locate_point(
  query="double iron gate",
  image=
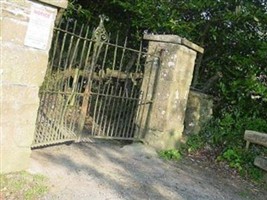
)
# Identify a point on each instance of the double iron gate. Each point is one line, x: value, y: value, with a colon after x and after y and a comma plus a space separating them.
x: 92, y: 87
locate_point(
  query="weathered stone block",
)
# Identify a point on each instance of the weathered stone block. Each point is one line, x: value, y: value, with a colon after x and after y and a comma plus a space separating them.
x: 58, y: 3
x: 22, y: 65
x: 261, y: 162
x: 21, y: 135
x: 16, y: 18
x: 11, y: 28
x: 17, y: 10
x: 198, y: 112
x: 19, y: 93
x: 175, y: 39
x: 18, y: 111
x: 163, y: 140
x: 14, y: 158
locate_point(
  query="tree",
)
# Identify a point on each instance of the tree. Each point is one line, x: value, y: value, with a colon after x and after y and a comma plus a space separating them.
x: 232, y: 32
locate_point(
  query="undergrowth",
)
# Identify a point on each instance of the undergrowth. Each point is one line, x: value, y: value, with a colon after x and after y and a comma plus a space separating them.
x: 226, y: 134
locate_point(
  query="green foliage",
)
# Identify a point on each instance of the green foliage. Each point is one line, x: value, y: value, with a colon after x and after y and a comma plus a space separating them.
x: 232, y: 32
x: 172, y: 154
x: 233, y: 157
x: 254, y: 173
x: 193, y: 143
x: 229, y: 129
x: 227, y: 133
x: 242, y: 160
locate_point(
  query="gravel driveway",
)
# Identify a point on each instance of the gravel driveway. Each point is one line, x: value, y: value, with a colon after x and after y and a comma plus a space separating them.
x: 111, y: 171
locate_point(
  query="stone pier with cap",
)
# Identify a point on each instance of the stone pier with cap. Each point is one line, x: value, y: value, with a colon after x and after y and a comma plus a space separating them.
x: 164, y: 124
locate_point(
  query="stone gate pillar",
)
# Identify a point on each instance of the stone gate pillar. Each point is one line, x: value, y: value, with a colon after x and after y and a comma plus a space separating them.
x: 165, y: 116
x: 26, y: 33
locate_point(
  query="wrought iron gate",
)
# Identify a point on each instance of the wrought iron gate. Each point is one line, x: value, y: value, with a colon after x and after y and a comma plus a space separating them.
x: 92, y: 87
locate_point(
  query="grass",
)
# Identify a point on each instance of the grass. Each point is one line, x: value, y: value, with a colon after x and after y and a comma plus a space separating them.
x: 22, y: 185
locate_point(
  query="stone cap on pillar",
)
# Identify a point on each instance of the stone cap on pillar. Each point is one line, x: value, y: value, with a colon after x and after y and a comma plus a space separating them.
x: 175, y: 39
x: 57, y: 3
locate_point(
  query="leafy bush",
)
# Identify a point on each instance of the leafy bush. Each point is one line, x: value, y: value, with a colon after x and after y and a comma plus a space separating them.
x: 227, y: 133
x: 171, y: 154
x: 228, y: 130
x: 193, y: 143
x: 242, y: 160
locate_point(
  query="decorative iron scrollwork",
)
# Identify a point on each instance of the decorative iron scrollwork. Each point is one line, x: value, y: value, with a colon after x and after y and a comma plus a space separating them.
x: 100, y: 34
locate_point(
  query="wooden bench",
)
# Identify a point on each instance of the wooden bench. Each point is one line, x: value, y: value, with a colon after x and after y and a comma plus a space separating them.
x: 257, y: 138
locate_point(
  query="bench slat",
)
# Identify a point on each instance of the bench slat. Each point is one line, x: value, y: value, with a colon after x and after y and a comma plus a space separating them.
x: 255, y: 137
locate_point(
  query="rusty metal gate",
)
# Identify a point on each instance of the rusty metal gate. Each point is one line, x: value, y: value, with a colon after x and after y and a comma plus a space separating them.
x: 92, y: 87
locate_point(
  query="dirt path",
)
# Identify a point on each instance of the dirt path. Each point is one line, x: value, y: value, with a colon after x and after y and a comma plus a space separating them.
x: 106, y: 171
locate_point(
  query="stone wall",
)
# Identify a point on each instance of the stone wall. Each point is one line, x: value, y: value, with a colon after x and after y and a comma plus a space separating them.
x: 169, y: 92
x: 22, y: 71
x: 198, y: 112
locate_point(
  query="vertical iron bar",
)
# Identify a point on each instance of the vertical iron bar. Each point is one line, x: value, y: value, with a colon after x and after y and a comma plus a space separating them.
x: 63, y: 43
x: 75, y: 48
x: 68, y: 100
x: 87, y: 60
x: 67, y: 56
x: 74, y: 55
x: 86, y: 94
x: 139, y: 58
x: 116, y: 125
x: 46, y: 115
x: 103, y: 115
x: 57, y: 86
x: 140, y: 111
x: 100, y: 82
x: 115, y: 52
x: 74, y: 113
x: 108, y: 118
x: 51, y: 60
x: 133, y: 113
x: 121, y: 61
x: 60, y: 104
x: 128, y: 115
x: 83, y: 61
x: 115, y: 111
x: 51, y: 113
x: 99, y: 113
x: 88, y: 87
x: 89, y: 113
x: 120, y: 109
x: 95, y: 108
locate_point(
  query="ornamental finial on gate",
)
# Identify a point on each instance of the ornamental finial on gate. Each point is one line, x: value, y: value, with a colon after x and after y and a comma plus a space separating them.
x: 100, y: 34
